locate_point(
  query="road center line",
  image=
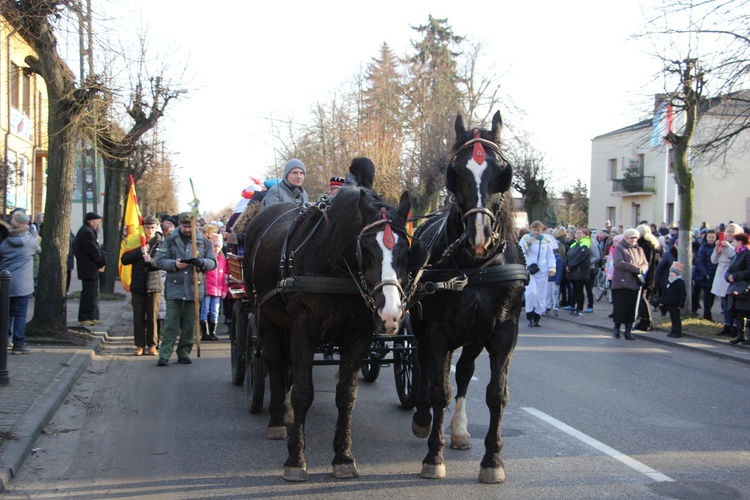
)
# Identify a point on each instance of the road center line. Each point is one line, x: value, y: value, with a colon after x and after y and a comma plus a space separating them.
x: 630, y: 462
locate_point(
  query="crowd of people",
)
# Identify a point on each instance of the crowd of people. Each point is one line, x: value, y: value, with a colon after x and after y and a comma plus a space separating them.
x: 643, y: 272
x: 167, y: 326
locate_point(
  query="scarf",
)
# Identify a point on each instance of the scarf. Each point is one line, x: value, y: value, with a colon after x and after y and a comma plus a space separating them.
x: 295, y: 190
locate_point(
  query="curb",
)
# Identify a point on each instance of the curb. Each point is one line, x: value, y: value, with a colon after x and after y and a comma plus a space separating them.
x: 14, y: 452
x: 677, y: 343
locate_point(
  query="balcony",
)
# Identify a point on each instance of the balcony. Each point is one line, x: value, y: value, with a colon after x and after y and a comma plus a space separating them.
x: 634, y: 185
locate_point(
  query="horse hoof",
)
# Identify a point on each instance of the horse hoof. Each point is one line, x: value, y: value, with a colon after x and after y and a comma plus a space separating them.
x: 492, y: 476
x: 345, y: 471
x: 276, y: 432
x: 295, y: 474
x: 430, y: 471
x: 460, y: 441
x: 419, y: 431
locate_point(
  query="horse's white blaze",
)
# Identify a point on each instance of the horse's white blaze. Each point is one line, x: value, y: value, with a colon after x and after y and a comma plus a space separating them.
x: 391, y: 311
x: 478, y: 169
x: 459, y: 422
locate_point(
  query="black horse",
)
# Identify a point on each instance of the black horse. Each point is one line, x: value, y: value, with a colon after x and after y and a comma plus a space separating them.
x: 475, y: 282
x: 309, y: 271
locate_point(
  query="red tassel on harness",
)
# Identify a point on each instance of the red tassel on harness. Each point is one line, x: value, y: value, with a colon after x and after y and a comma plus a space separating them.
x: 389, y: 241
x: 479, y: 153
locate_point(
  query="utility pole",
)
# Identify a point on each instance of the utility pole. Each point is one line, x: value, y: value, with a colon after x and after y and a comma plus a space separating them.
x: 88, y: 155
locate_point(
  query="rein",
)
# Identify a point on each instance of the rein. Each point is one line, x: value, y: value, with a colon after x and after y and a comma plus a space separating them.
x: 324, y: 284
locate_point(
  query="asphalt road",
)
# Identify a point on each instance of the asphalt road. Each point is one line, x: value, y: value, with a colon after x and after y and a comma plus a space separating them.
x: 589, y: 417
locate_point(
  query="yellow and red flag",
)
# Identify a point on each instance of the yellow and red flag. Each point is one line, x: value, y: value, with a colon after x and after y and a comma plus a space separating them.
x: 132, y: 234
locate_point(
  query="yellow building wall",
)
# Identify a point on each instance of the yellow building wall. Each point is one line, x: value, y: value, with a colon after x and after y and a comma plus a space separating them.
x: 23, y: 148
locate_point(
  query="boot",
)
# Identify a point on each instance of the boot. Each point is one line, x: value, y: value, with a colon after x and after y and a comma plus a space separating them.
x: 616, y: 331
x: 530, y: 317
x: 726, y: 332
x: 537, y: 317
x: 204, y: 330
x: 740, y: 336
x: 628, y: 336
x: 212, y: 331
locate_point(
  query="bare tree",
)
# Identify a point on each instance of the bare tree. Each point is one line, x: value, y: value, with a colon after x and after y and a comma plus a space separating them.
x: 145, y: 109
x: 530, y: 178
x: 36, y: 21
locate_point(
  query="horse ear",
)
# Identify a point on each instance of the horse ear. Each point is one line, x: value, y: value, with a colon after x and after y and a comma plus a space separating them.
x: 404, y: 205
x: 459, y: 127
x: 497, y: 126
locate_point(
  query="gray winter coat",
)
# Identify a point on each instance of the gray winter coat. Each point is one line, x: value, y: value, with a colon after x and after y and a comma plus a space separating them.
x: 282, y: 192
x: 17, y: 256
x: 179, y: 284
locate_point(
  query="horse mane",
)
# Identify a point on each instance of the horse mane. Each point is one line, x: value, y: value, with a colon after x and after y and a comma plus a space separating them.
x: 342, y: 225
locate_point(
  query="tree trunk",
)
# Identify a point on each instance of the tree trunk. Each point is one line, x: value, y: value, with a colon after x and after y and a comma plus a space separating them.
x: 52, y: 318
x: 114, y: 179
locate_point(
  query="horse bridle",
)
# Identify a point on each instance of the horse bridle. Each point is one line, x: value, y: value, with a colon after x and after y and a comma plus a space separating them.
x: 389, y: 241
x: 477, y: 143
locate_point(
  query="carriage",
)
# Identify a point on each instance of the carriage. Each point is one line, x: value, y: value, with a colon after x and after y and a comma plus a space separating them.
x: 469, y: 247
x: 248, y: 368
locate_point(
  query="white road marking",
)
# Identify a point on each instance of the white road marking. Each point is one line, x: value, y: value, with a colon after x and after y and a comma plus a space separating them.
x: 598, y: 445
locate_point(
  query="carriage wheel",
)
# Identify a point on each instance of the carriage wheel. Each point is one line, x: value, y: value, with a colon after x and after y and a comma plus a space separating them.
x: 370, y: 369
x: 255, y: 376
x: 238, y: 341
x: 406, y: 369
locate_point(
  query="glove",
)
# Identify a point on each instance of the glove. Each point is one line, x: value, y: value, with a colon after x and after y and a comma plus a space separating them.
x: 198, y: 262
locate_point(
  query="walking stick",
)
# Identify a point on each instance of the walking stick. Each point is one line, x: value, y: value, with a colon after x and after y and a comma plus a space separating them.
x: 196, y: 295
x: 637, y: 304
x: 194, y: 205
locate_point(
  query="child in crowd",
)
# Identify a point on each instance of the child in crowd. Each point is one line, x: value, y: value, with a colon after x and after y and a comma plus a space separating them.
x: 553, y: 302
x: 673, y: 297
x: 216, y: 289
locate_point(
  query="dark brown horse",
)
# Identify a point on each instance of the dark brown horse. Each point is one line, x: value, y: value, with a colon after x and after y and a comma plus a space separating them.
x: 323, y: 275
x: 475, y: 280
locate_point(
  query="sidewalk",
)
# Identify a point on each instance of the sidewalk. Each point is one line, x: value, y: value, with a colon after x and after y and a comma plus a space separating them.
x: 40, y: 381
x: 600, y: 320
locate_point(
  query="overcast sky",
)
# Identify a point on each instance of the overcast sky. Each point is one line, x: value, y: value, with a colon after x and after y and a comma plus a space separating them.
x: 570, y: 66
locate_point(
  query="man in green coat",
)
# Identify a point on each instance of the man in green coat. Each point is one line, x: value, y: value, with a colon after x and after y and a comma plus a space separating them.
x: 175, y: 257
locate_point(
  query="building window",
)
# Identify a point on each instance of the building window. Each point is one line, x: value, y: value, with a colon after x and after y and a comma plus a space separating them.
x: 670, y: 213
x: 609, y: 214
x: 612, y: 169
x: 27, y: 94
x: 636, y: 214
x: 641, y: 163
x: 15, y: 86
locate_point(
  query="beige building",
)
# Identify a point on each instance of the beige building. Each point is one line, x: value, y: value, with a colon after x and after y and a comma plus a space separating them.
x: 631, y: 177
x: 23, y: 124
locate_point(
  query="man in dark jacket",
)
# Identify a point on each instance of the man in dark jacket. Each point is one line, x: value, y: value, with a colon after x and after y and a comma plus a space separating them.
x: 90, y: 260
x: 145, y: 289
